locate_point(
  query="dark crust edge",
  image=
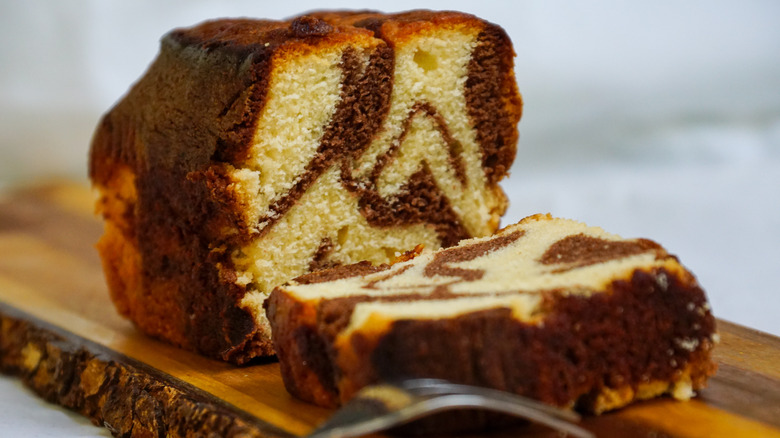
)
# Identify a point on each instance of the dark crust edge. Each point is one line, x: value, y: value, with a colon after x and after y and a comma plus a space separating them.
x: 121, y: 394
x: 642, y: 315
x: 621, y: 335
x: 184, y: 198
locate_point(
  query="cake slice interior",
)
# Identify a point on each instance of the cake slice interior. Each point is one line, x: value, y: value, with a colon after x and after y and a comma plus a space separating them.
x: 354, y: 178
x: 547, y: 308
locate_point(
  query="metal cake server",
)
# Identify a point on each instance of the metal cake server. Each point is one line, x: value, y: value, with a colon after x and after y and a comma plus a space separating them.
x: 383, y: 406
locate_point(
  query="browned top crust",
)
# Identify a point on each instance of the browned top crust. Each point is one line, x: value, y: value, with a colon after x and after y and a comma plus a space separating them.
x: 246, y: 35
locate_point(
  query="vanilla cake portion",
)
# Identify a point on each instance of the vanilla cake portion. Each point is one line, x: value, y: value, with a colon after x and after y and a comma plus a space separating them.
x: 255, y: 151
x: 547, y: 308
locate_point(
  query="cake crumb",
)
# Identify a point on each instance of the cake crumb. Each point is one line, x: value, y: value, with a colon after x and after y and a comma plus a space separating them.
x: 683, y: 390
x: 688, y: 344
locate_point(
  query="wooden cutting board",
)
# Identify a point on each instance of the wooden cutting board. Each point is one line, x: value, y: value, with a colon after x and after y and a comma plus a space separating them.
x: 59, y: 333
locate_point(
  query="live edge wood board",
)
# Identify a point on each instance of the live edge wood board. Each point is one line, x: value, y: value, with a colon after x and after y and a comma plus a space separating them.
x: 60, y: 335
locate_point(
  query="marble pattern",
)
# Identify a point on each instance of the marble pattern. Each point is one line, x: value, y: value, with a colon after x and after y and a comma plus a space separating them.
x: 659, y: 120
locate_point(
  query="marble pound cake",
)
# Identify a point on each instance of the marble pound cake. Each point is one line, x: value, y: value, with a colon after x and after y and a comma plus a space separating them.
x: 254, y: 151
x: 547, y: 308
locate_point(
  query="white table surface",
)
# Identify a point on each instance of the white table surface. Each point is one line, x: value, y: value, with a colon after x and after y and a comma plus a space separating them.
x: 657, y: 120
x: 24, y: 414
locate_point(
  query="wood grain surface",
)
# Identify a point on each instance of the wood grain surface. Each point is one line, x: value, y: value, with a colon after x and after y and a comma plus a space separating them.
x: 60, y: 334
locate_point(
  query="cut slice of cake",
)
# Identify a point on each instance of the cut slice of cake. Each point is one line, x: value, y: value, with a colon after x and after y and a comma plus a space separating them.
x: 547, y: 308
x: 252, y: 152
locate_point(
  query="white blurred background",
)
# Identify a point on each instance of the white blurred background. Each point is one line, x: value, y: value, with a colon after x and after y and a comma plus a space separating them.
x: 655, y: 119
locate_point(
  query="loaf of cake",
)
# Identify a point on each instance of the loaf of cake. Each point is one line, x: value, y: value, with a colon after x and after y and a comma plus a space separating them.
x: 252, y: 152
x: 547, y: 308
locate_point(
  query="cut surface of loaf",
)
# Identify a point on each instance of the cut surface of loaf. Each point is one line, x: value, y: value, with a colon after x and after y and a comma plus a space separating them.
x: 254, y: 151
x: 547, y: 308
